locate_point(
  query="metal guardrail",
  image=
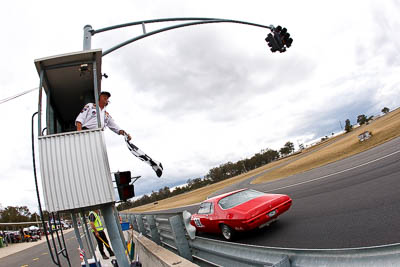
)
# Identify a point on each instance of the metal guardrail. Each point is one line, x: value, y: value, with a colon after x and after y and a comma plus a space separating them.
x: 155, y: 227
x: 169, y: 231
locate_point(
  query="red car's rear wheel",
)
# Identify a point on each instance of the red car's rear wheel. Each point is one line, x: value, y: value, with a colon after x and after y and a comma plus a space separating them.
x: 227, y: 232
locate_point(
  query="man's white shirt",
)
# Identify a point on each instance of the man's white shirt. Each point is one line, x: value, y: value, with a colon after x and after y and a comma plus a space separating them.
x: 88, y: 118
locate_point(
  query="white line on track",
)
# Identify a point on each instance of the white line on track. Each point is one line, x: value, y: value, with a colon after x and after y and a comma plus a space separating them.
x: 332, y: 174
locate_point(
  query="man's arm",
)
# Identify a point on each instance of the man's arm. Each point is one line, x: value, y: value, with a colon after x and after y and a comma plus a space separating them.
x: 115, y: 128
x: 78, y: 126
x: 92, y: 218
x: 122, y: 132
x: 94, y: 229
x: 80, y: 119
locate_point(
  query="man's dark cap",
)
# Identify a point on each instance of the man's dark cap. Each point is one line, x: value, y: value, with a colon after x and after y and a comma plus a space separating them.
x: 105, y: 93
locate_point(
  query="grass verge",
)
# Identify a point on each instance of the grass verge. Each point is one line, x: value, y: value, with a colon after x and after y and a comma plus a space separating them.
x: 383, y: 129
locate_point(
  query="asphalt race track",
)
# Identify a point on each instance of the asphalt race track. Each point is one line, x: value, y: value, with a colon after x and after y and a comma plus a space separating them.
x: 351, y: 203
x: 38, y: 256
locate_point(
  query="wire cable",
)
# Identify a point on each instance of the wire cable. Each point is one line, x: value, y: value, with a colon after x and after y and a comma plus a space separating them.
x: 38, y: 196
x: 17, y: 95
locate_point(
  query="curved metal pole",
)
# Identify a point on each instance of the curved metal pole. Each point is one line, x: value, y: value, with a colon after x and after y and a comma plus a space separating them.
x: 93, y: 32
x: 180, y: 26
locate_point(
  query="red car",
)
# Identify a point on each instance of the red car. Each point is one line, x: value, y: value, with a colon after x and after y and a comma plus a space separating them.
x: 240, y: 210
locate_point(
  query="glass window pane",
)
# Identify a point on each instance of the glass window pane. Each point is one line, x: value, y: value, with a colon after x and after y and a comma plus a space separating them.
x: 238, y: 198
x: 205, y: 208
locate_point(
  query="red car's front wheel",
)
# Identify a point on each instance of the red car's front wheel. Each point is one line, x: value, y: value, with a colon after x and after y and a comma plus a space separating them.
x: 227, y: 232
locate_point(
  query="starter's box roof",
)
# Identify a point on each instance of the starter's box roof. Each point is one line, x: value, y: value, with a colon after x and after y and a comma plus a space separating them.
x: 69, y: 82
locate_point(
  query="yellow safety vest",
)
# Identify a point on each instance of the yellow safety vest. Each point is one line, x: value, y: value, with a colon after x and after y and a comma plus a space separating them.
x: 97, y: 222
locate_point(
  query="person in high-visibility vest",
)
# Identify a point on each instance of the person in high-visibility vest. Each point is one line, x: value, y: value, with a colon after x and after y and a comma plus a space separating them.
x: 98, y: 231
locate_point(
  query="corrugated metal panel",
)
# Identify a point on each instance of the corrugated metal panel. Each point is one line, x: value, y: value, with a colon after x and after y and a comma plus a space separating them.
x: 75, y: 170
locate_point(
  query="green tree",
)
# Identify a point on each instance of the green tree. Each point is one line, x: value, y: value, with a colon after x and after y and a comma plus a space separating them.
x: 164, y: 193
x: 284, y: 151
x: 385, y: 110
x: 46, y: 215
x: 287, y: 148
x: 348, y: 127
x: 34, y: 216
x: 15, y: 214
x: 361, y: 119
x: 290, y: 146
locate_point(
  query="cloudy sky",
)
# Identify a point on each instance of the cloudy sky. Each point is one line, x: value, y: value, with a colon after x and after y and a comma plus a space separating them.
x: 200, y: 96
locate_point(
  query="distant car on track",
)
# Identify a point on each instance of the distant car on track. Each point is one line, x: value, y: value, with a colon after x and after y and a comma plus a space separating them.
x: 240, y: 210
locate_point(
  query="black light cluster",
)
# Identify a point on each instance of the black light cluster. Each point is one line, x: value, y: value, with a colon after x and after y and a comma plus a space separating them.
x: 126, y: 190
x: 279, y: 39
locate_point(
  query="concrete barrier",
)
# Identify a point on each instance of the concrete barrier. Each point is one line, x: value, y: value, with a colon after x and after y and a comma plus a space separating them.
x: 151, y: 254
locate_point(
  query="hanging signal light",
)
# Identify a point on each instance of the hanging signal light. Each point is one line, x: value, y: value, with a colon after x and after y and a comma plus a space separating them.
x: 126, y: 190
x: 285, y: 37
x: 272, y: 43
x: 280, y: 40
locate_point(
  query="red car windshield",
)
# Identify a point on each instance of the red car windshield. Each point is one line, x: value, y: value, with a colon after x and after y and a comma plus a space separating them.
x: 239, y: 198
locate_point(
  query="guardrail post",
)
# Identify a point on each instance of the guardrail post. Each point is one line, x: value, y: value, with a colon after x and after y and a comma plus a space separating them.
x: 133, y: 221
x: 180, y: 238
x: 155, y: 236
x: 140, y: 223
x: 285, y: 262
